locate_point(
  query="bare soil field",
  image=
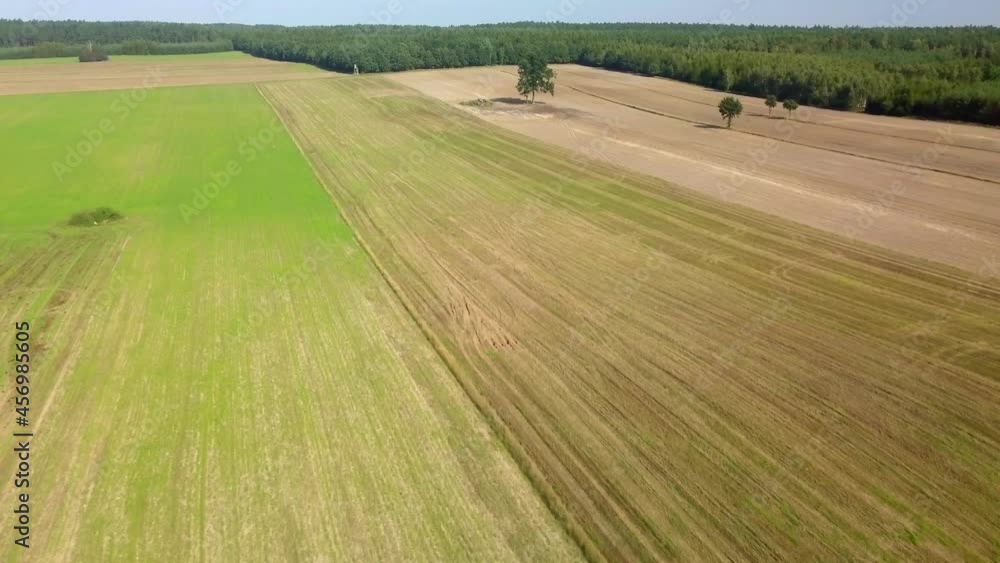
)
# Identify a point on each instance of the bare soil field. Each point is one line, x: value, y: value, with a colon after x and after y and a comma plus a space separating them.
x: 924, y: 188
x: 682, y: 378
x: 695, y: 102
x: 146, y: 72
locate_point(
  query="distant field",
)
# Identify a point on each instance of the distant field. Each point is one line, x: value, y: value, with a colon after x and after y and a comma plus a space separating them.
x: 858, y: 134
x: 224, y: 55
x: 930, y: 189
x: 33, y: 76
x: 43, y: 61
x: 236, y: 384
x: 687, y: 378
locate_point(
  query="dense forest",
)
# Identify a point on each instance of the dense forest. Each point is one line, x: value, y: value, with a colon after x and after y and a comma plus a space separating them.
x: 129, y: 47
x: 942, y: 73
x: 23, y: 40
x: 945, y: 73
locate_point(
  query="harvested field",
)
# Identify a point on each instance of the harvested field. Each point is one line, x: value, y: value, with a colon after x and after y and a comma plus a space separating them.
x: 870, y: 136
x: 222, y: 375
x: 57, y: 75
x: 923, y: 188
x: 684, y: 378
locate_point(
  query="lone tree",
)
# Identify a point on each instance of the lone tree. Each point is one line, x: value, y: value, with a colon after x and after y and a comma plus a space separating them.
x: 790, y: 105
x: 771, y: 102
x: 533, y: 76
x: 730, y: 107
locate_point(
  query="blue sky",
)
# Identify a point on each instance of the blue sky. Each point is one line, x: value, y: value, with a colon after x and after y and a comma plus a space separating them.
x: 451, y: 12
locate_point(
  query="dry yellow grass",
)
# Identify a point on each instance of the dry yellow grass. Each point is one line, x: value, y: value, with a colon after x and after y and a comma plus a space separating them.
x: 684, y: 379
x: 147, y: 72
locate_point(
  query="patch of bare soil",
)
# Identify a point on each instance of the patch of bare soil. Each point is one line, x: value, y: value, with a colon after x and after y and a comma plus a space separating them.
x: 518, y: 108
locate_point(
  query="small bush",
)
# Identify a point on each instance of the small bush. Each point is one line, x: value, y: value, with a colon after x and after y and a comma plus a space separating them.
x: 91, y: 54
x: 96, y: 217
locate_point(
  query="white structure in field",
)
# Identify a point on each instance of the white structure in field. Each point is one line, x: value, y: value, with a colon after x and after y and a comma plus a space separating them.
x: 356, y: 69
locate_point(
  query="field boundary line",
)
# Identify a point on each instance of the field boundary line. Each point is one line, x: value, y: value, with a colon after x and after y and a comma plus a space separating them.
x: 521, y: 459
x: 838, y: 151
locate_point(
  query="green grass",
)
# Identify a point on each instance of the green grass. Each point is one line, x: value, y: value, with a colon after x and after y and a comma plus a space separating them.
x: 235, y: 385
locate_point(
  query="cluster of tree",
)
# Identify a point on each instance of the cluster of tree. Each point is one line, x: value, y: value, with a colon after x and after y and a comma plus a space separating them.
x: 92, y: 54
x: 17, y: 33
x: 949, y: 73
x: 146, y: 47
x: 131, y: 47
x: 731, y: 107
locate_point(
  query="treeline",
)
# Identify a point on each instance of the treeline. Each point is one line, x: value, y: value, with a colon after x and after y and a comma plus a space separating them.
x: 961, y: 89
x: 944, y: 73
x: 130, y: 47
x: 41, y: 39
x: 144, y: 47
x: 17, y: 33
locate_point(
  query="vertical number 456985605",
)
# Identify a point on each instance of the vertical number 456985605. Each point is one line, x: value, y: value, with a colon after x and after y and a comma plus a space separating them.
x: 22, y: 367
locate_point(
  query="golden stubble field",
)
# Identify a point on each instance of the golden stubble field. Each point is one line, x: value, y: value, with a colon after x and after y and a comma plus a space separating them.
x: 123, y: 72
x: 929, y: 189
x: 682, y: 378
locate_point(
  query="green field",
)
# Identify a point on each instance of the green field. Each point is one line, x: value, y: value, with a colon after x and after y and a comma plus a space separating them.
x: 232, y: 384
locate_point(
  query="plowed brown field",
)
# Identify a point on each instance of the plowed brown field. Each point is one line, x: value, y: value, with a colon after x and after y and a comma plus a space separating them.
x: 923, y: 188
x: 682, y: 378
